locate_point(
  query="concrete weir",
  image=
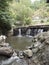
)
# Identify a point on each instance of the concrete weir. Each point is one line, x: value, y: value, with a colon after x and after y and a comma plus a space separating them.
x: 30, y: 30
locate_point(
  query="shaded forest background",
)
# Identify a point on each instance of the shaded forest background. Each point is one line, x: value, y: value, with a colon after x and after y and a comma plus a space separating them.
x: 15, y: 13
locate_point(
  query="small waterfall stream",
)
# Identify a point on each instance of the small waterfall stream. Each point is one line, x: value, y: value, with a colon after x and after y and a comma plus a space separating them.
x: 19, y: 33
x: 40, y: 30
x: 28, y: 33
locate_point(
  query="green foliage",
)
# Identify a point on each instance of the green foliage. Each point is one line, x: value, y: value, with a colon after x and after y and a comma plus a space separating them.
x: 5, y: 26
x: 21, y: 10
x: 48, y: 20
x: 28, y: 21
x: 24, y: 14
x: 4, y: 16
x: 26, y: 2
x: 42, y: 21
x: 38, y: 4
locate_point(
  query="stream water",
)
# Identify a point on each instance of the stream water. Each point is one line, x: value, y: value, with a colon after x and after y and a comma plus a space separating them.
x: 20, y: 43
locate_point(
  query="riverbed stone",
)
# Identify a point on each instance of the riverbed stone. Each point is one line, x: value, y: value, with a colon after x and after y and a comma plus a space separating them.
x: 37, y: 44
x: 6, y: 51
x: 4, y: 44
x: 41, y: 46
x: 35, y: 50
x: 21, y: 54
x: 28, y: 53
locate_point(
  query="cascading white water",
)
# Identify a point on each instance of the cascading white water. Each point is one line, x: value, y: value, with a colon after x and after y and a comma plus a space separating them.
x: 13, y: 58
x: 28, y: 33
x: 19, y: 33
x: 40, y: 30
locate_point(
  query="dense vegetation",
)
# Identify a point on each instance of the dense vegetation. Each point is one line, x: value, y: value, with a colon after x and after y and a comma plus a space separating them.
x: 4, y: 16
x: 21, y: 12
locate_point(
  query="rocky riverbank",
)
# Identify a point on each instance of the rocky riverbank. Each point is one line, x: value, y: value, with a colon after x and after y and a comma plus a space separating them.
x: 39, y: 48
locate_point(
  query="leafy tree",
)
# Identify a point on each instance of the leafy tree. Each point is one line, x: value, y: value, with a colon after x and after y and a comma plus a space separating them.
x: 4, y: 15
x: 28, y: 21
x: 21, y: 11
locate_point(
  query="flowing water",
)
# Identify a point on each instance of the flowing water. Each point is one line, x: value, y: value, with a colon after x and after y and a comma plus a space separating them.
x: 19, y: 33
x: 19, y: 43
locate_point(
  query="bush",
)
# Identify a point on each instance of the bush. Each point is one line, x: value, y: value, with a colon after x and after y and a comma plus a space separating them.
x: 42, y: 21
x: 5, y: 26
x: 28, y: 21
x: 48, y: 20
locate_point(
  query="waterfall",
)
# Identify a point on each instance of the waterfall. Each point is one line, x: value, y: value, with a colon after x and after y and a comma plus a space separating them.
x: 28, y: 33
x: 35, y: 32
x: 40, y: 30
x: 19, y: 33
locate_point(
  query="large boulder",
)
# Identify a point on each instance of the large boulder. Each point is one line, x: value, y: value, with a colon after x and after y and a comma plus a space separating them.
x: 28, y: 53
x: 6, y: 51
